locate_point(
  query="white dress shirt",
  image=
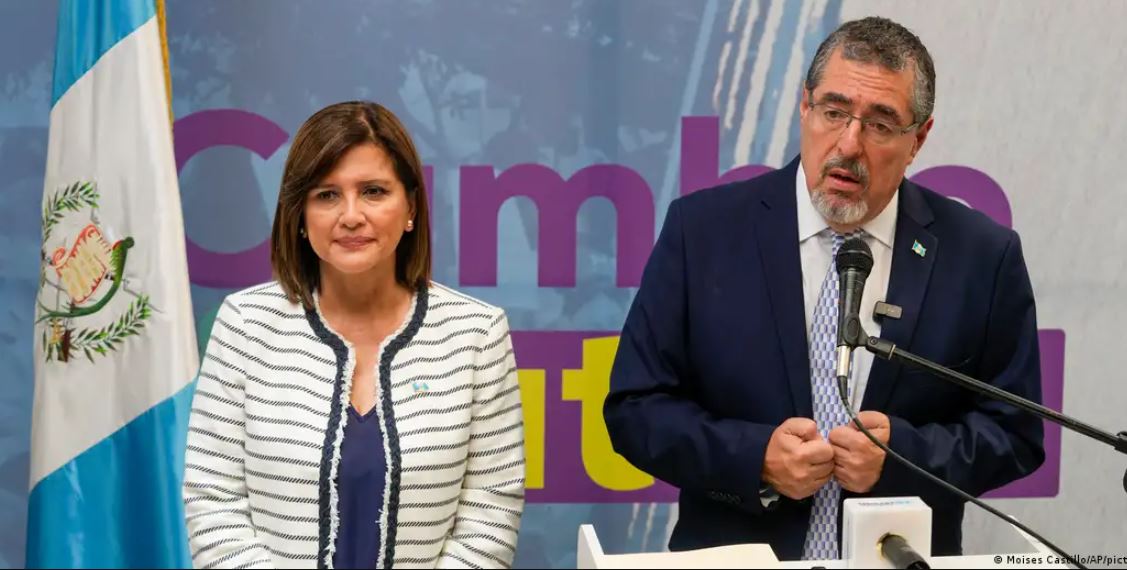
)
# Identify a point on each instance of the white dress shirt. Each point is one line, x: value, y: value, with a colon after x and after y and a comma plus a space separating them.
x: 815, y: 240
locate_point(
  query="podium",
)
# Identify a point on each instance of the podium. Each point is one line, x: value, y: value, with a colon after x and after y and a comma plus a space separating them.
x: 590, y: 555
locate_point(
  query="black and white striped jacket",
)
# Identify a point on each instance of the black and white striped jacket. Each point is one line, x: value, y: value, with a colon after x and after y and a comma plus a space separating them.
x: 267, y: 422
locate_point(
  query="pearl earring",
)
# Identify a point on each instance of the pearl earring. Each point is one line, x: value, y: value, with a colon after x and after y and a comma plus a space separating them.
x: 303, y: 234
x: 410, y: 225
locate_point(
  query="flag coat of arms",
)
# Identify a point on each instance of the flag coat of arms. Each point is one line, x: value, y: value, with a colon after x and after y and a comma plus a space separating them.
x: 114, y: 339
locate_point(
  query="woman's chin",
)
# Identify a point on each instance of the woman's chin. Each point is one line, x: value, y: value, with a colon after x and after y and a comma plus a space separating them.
x: 353, y: 266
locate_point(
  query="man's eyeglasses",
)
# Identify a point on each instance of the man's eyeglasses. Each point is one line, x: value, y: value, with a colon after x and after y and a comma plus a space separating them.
x: 878, y: 131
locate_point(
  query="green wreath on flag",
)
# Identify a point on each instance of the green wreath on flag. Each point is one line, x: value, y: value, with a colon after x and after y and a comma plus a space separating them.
x: 81, y: 269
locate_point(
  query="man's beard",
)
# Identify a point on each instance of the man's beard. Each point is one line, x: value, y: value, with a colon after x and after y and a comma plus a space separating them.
x: 837, y: 212
x: 842, y: 214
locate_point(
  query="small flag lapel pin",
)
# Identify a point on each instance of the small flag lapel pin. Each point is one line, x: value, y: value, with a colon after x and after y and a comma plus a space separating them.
x: 919, y: 248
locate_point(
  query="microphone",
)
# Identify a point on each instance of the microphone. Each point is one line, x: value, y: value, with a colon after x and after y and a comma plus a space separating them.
x: 900, y: 554
x: 854, y: 262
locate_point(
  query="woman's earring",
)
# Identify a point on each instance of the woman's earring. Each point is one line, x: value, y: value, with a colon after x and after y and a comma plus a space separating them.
x: 410, y: 225
x: 303, y: 234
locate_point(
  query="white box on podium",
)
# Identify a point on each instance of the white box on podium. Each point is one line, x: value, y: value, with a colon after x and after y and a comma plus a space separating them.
x: 866, y: 521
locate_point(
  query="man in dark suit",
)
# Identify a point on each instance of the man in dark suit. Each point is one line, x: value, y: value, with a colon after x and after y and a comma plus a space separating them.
x: 723, y: 382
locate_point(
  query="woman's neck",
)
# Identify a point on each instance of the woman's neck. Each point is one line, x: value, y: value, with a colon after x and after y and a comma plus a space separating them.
x: 361, y: 296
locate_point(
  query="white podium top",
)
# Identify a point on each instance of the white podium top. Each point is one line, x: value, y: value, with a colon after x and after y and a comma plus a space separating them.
x: 590, y: 555
x: 1022, y: 560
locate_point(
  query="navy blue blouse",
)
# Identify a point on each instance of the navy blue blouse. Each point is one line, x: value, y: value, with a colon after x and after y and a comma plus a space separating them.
x: 360, y: 483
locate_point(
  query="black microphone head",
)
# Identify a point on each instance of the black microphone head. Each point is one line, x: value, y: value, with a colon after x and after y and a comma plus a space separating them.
x: 854, y: 254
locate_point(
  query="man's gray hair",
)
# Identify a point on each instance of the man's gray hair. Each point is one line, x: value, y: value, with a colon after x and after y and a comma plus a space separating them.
x: 885, y: 43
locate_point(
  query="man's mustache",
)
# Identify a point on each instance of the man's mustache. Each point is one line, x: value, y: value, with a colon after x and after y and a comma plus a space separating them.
x: 855, y: 168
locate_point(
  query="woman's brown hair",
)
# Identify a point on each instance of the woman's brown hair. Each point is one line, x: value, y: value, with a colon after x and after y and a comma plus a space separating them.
x: 317, y: 147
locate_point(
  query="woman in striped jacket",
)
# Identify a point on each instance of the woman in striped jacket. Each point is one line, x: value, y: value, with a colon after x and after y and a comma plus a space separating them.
x: 353, y: 413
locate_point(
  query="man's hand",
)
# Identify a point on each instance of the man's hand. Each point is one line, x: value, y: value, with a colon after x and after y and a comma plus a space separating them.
x: 798, y: 461
x: 857, y: 462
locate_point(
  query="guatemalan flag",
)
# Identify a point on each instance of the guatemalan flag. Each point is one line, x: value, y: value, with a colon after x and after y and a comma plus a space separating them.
x: 114, y: 340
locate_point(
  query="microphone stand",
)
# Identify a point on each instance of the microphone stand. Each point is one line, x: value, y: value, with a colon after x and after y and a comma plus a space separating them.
x: 888, y: 351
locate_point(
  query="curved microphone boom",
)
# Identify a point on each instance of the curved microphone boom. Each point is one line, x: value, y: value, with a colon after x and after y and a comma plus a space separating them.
x: 854, y: 263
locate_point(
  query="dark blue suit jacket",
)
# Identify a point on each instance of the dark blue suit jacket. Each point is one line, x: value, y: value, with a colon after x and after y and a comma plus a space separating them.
x: 713, y: 357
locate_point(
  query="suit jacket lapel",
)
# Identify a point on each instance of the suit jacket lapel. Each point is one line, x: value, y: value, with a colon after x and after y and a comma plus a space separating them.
x: 915, y: 250
x: 777, y: 238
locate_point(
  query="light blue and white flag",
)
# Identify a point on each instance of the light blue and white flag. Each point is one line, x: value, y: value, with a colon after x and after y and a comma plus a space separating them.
x: 114, y: 340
